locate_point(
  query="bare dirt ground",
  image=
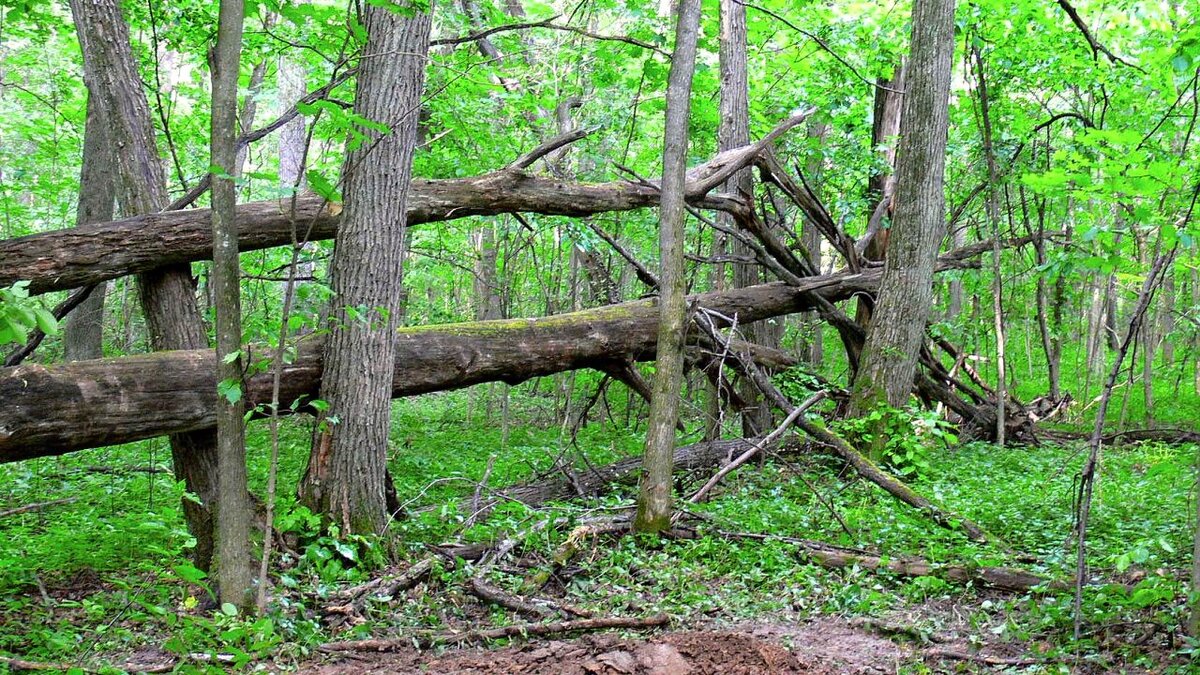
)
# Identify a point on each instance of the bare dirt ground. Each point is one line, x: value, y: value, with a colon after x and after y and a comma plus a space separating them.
x: 822, y: 647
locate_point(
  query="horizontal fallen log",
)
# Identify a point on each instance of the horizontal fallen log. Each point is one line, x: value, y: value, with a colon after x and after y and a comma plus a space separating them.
x: 1008, y: 579
x: 89, y: 254
x: 51, y: 410
x: 426, y: 640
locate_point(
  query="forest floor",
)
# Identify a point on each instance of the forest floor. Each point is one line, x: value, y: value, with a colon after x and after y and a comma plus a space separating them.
x: 101, y: 580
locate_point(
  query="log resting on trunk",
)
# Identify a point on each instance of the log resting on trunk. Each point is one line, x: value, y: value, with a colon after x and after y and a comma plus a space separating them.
x: 66, y: 259
x: 51, y: 410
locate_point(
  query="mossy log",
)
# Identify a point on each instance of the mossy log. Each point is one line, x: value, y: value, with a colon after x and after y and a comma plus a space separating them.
x: 51, y: 410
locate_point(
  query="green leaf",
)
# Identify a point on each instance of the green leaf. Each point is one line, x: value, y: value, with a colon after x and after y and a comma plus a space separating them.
x: 321, y: 185
x: 230, y: 390
x: 229, y: 609
x: 46, y: 321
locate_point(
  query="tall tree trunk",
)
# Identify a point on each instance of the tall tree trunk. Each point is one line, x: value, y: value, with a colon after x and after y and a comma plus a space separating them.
x: 881, y: 186
x: 734, y: 132
x: 234, y: 511
x: 83, y: 335
x: 168, y: 294
x: 889, y: 357
x: 810, y: 237
x: 654, y: 496
x: 346, y: 480
x: 993, y: 214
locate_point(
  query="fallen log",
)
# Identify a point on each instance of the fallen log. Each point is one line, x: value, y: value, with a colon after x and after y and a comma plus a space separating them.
x: 85, y: 255
x: 51, y: 410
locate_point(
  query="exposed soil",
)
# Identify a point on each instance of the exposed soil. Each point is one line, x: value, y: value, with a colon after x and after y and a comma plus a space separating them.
x: 825, y: 647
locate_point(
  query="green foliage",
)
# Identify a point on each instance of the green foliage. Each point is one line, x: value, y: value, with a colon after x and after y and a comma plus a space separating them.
x: 902, y: 439
x: 20, y: 314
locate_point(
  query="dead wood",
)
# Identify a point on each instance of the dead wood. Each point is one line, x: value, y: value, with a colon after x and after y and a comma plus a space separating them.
x: 51, y: 410
x: 81, y: 256
x: 497, y: 596
x: 37, y: 507
x: 1008, y: 579
x: 943, y: 653
x: 426, y: 640
x: 355, y: 599
x: 860, y: 463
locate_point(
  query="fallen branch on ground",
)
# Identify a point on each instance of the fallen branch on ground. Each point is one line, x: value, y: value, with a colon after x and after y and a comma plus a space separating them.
x: 836, y: 557
x: 942, y: 653
x: 37, y: 507
x: 426, y: 640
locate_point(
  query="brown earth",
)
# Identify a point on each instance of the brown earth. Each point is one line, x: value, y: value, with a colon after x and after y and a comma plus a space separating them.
x: 823, y: 647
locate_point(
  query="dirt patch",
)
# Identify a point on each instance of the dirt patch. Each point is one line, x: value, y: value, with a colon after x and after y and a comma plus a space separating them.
x: 819, y: 648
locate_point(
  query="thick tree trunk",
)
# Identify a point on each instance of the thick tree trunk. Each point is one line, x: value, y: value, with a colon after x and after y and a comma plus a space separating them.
x: 57, y: 409
x: 168, y: 296
x: 654, y: 494
x: 889, y: 358
x: 346, y: 477
x: 83, y: 335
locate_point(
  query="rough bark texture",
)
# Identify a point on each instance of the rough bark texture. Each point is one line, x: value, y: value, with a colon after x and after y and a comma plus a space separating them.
x: 66, y: 259
x: 234, y: 511
x: 167, y: 293
x: 654, y: 497
x: 346, y: 475
x: 51, y: 410
x: 83, y: 334
x: 889, y: 356
x: 734, y: 132
x: 881, y: 186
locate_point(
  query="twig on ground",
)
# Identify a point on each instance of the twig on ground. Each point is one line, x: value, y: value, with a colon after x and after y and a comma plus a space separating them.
x: 37, y: 507
x: 426, y: 640
x: 942, y: 653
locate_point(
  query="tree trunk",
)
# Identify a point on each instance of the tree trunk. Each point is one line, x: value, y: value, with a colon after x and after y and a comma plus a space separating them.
x: 889, y: 356
x: 346, y: 476
x: 654, y: 495
x: 993, y: 214
x: 234, y: 511
x: 168, y: 295
x: 83, y: 335
x: 734, y: 132
x: 881, y: 186
x: 810, y: 237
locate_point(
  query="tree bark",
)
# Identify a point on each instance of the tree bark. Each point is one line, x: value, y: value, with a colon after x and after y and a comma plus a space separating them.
x: 83, y: 335
x: 167, y: 292
x: 346, y: 476
x: 810, y: 237
x: 654, y: 495
x: 66, y: 259
x: 881, y: 186
x: 890, y: 353
x: 234, y: 511
x: 50, y: 410
x: 734, y: 132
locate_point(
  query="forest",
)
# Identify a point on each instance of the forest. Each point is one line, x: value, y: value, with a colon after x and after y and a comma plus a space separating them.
x: 599, y: 336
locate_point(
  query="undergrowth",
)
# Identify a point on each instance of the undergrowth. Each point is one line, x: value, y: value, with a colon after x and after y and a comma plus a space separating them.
x: 101, y: 576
